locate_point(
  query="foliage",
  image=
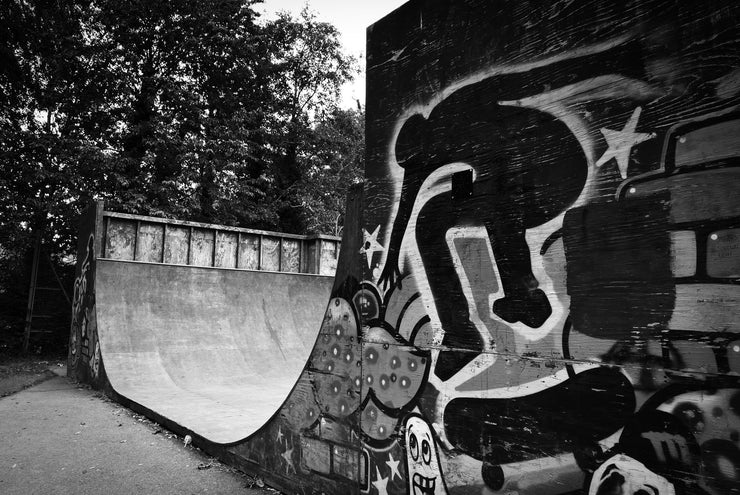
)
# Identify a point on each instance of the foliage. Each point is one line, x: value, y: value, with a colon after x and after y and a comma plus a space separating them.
x: 188, y: 109
x: 331, y: 160
x: 310, y: 69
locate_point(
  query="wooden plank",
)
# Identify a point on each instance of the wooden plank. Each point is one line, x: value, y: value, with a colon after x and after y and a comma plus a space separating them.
x: 249, y: 252
x: 176, y: 246
x: 270, y: 259
x: 136, y: 239
x: 150, y: 242
x: 190, y: 245
x: 329, y: 257
x: 120, y: 239
x: 226, y: 249
x: 290, y: 259
x: 202, y: 247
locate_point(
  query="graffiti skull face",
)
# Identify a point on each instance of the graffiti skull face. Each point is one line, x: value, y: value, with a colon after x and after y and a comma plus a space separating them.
x: 422, y: 462
x: 624, y: 475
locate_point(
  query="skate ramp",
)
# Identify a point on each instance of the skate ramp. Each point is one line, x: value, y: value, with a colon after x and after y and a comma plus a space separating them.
x: 215, y: 351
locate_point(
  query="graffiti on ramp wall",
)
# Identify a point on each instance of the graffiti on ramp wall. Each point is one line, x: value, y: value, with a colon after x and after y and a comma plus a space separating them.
x: 84, y: 356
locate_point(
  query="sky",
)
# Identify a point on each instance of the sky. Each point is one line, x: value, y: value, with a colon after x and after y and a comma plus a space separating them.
x: 351, y: 17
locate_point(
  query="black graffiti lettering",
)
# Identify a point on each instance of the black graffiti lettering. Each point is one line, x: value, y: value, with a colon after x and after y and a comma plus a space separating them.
x: 668, y: 446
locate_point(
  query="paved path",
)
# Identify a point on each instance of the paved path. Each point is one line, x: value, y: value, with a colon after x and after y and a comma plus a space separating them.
x: 57, y: 438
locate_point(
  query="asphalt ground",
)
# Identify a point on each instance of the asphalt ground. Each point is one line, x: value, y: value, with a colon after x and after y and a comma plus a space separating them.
x: 60, y: 437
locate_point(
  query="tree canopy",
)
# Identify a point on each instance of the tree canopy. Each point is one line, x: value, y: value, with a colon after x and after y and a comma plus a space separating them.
x: 183, y: 108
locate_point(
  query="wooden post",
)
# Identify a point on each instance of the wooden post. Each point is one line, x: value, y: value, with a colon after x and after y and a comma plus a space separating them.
x: 215, y: 241
x: 164, y: 240
x: 280, y: 254
x: 136, y: 238
x: 238, y: 247
x: 259, y: 252
x: 190, y: 246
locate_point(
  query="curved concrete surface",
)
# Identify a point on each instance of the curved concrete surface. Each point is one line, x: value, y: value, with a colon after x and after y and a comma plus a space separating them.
x: 216, y: 351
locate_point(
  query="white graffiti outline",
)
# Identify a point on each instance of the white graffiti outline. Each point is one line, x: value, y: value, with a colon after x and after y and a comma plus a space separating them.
x: 79, y: 314
x: 559, y: 103
x: 559, y: 111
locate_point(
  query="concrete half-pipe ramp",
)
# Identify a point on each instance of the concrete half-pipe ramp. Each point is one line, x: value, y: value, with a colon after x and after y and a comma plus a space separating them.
x: 216, y: 351
x: 213, y: 351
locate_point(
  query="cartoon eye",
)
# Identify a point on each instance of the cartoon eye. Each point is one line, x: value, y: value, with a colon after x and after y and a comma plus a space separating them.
x: 414, y: 447
x: 426, y: 452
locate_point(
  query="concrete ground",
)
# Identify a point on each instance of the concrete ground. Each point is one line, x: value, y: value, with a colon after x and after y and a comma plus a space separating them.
x: 59, y: 437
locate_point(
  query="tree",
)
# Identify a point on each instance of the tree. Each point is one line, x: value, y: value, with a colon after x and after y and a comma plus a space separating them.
x: 192, y: 81
x: 38, y: 80
x: 332, y: 159
x: 309, y: 69
x: 40, y: 74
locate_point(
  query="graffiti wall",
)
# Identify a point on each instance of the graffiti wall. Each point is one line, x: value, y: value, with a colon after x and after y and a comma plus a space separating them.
x: 84, y: 361
x: 546, y: 291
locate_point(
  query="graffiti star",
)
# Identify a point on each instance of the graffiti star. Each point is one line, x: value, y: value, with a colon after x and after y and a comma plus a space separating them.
x: 370, y: 245
x: 288, y: 456
x: 393, y: 464
x: 620, y: 143
x: 381, y: 484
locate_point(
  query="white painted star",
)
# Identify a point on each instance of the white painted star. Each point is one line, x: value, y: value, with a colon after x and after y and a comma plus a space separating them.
x: 393, y: 464
x: 288, y: 456
x: 397, y: 53
x: 381, y: 484
x: 620, y: 143
x: 279, y: 435
x: 370, y: 245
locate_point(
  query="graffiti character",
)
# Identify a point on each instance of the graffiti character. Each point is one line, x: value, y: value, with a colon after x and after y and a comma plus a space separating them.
x: 622, y: 474
x: 422, y: 461
x: 509, y: 197
x: 528, y: 167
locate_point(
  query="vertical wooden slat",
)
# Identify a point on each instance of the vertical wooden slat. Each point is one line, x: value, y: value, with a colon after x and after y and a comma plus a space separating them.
x: 164, y: 240
x: 301, y: 257
x: 259, y: 254
x: 238, y: 247
x: 98, y: 230
x: 136, y: 237
x: 103, y: 247
x: 213, y: 251
x: 280, y: 254
x: 190, y: 246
